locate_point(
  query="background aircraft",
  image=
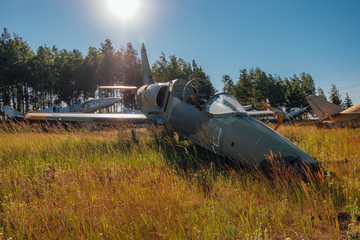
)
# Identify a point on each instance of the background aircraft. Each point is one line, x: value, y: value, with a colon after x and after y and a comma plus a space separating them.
x: 325, y: 110
x: 62, y: 115
x: 89, y: 106
x: 96, y: 118
x: 11, y: 113
x: 282, y: 115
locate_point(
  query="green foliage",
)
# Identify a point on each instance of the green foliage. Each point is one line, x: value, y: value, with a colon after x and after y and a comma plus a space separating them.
x: 90, y: 70
x: 277, y: 91
x: 307, y: 84
x: 37, y: 80
x: 130, y: 72
x: 295, y: 97
x: 242, y: 90
x: 260, y: 86
x: 321, y: 93
x: 347, y: 102
x: 255, y: 86
x: 164, y: 70
x: 43, y: 76
x: 335, y: 95
x: 228, y: 83
x: 15, y: 55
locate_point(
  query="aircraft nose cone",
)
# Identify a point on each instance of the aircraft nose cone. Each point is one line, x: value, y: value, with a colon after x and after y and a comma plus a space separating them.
x: 253, y: 142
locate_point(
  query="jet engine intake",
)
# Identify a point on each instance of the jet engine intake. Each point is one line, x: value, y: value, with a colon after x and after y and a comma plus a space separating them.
x: 152, y: 96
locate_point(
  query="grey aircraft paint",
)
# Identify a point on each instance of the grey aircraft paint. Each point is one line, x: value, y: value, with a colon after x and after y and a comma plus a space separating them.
x: 221, y: 124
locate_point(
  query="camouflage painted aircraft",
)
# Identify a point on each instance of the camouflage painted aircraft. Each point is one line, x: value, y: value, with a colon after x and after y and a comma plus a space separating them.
x: 325, y: 110
x: 216, y: 122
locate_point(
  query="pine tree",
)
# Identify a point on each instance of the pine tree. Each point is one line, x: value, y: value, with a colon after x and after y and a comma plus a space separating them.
x: 242, y: 91
x: 294, y: 96
x: 321, y: 93
x: 307, y: 84
x: 228, y: 83
x: 130, y: 72
x: 335, y: 95
x: 260, y: 86
x: 276, y: 91
x: 90, y: 77
x: 347, y: 101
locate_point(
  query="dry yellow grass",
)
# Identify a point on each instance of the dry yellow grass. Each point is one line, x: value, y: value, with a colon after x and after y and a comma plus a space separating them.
x: 87, y: 184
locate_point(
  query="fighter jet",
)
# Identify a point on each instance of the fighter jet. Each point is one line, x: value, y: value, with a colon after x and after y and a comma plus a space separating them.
x: 89, y: 106
x: 215, y: 122
x: 325, y: 110
x: 94, y: 118
x: 282, y: 115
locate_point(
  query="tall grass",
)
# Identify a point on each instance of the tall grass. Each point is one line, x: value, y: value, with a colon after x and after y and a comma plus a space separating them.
x: 82, y: 184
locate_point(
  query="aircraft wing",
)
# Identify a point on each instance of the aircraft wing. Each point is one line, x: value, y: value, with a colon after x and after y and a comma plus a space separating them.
x: 123, y: 88
x: 260, y: 113
x: 11, y: 113
x: 249, y: 107
x: 90, y: 117
x: 295, y: 113
x: 118, y: 87
x: 347, y: 117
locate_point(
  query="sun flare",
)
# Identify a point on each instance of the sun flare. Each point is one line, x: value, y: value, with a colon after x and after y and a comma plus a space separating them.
x: 123, y: 8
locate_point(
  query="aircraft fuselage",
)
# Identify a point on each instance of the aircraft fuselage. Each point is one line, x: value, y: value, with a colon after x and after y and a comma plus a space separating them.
x: 218, y: 126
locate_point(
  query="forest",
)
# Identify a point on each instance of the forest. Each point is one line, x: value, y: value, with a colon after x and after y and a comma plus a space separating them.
x: 35, y: 80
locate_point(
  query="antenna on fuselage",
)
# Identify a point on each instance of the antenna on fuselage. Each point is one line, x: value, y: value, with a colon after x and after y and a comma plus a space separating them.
x: 146, y: 67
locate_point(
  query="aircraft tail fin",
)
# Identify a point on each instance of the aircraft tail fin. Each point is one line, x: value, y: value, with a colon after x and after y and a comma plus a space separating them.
x: 146, y: 67
x: 11, y: 113
x: 322, y: 108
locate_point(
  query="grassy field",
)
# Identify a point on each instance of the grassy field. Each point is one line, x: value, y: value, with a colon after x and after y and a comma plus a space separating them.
x: 83, y: 184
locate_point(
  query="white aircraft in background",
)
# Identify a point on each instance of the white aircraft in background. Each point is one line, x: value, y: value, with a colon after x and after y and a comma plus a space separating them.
x: 90, y: 106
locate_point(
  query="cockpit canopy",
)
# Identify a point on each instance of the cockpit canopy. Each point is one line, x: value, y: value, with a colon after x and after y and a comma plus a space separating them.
x: 197, y: 88
x: 223, y: 103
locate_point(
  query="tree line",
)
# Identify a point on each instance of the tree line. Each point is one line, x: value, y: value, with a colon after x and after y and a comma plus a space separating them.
x: 36, y: 80
x: 255, y: 86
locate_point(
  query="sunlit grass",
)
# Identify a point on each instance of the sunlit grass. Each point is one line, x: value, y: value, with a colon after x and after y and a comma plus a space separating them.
x: 84, y: 184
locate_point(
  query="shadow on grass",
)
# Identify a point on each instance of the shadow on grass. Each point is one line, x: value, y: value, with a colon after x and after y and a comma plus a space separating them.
x: 194, y: 162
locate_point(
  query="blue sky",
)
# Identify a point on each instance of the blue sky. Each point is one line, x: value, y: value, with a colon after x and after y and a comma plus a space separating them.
x: 282, y: 37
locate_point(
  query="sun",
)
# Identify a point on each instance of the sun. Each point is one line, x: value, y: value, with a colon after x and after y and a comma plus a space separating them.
x: 123, y: 8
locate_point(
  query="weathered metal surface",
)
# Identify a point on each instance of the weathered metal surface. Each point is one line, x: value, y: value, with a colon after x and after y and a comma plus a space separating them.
x: 221, y: 124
